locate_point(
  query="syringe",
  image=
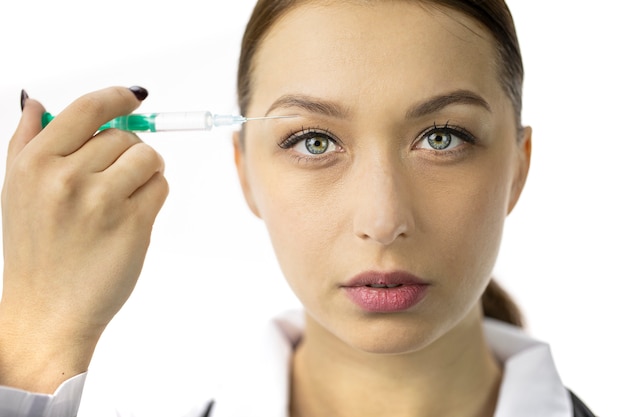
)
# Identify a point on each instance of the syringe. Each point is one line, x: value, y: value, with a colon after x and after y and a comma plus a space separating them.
x: 175, y: 121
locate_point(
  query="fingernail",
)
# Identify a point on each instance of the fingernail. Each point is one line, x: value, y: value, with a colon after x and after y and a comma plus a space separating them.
x: 139, y: 92
x: 23, y: 99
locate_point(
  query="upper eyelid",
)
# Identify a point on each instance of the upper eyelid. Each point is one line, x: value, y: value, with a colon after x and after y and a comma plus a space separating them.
x: 296, y: 136
x: 460, y: 131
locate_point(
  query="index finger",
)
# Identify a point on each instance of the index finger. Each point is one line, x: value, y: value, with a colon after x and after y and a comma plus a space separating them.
x: 75, y: 125
x: 27, y: 129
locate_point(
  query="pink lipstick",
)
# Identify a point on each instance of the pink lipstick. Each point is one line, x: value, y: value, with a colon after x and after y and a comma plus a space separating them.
x: 386, y: 292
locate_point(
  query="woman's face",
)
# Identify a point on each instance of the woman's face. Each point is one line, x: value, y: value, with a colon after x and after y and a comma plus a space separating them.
x: 397, y: 173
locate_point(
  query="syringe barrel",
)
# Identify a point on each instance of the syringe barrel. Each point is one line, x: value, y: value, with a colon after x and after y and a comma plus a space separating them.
x: 197, y: 120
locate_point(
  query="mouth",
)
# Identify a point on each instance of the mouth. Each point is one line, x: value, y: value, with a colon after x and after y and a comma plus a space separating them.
x: 384, y: 285
x: 376, y: 279
x: 386, y: 292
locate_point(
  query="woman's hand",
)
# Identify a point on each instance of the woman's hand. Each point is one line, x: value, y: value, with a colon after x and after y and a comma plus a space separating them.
x: 77, y: 214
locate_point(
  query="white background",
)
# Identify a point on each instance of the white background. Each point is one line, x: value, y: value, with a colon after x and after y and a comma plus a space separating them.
x: 211, y: 271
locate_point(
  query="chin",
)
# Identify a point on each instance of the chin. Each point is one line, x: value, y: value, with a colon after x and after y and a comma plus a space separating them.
x: 389, y: 336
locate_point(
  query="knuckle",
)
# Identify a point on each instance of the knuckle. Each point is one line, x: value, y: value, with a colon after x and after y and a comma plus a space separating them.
x: 162, y: 187
x: 154, y: 194
x: 146, y: 155
x: 63, y: 184
x: 120, y: 92
x: 23, y: 167
x: 165, y: 186
x: 98, y: 102
x: 48, y: 183
x: 28, y: 170
x: 100, y: 205
x: 119, y: 138
x: 90, y: 105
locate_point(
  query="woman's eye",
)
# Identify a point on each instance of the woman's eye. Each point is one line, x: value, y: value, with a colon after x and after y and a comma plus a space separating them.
x: 443, y: 138
x: 311, y: 143
x: 439, y: 140
x: 317, y: 145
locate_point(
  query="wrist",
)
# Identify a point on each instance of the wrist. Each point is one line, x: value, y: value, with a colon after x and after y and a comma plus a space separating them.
x: 36, y: 355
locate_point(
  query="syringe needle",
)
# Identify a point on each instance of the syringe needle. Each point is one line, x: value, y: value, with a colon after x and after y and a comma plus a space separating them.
x: 270, y: 117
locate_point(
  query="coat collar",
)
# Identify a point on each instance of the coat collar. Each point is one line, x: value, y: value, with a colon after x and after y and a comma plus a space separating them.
x: 259, y: 383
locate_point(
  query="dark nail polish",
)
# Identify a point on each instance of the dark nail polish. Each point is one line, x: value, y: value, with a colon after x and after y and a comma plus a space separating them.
x: 23, y: 99
x: 139, y: 92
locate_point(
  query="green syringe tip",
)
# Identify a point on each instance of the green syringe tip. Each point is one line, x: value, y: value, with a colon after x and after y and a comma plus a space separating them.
x: 46, y: 118
x: 132, y: 122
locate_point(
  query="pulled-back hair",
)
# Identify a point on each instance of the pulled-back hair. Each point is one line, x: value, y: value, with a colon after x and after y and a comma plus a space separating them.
x: 493, y: 15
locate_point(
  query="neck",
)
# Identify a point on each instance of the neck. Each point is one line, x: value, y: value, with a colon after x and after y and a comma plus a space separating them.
x: 455, y: 375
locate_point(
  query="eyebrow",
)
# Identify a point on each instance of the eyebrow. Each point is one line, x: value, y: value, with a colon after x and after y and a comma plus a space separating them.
x: 333, y: 109
x: 436, y: 103
x: 311, y: 105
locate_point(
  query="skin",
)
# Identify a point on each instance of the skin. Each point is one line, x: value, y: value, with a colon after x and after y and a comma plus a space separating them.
x: 77, y: 214
x: 78, y: 211
x: 383, y: 200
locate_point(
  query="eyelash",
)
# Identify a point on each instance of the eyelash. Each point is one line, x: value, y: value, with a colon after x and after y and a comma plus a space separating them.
x: 294, y: 137
x: 454, y: 130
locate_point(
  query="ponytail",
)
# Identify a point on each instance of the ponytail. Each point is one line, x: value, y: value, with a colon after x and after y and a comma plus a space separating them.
x: 498, y: 304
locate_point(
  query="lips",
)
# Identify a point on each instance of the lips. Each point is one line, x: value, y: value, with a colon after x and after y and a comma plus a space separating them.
x: 386, y: 292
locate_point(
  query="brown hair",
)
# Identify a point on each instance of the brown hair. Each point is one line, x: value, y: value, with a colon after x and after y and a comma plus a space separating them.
x: 494, y: 15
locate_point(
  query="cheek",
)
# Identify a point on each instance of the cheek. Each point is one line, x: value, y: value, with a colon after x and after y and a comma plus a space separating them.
x: 301, y: 213
x: 467, y: 221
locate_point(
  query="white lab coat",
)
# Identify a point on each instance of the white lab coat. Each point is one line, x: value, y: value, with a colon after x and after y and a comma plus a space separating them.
x: 531, y: 386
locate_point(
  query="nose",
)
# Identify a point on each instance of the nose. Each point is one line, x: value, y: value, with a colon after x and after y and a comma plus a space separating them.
x: 382, y: 202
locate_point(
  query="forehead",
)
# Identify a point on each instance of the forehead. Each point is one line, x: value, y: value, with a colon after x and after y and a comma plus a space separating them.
x: 366, y: 47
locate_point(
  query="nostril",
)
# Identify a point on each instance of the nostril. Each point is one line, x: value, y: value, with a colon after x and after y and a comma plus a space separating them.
x: 382, y: 206
x: 384, y: 233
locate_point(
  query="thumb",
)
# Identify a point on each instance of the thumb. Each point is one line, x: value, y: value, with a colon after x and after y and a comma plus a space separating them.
x: 28, y: 127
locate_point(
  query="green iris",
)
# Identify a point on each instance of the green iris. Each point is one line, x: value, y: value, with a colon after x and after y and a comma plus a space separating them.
x: 317, y: 145
x: 439, y: 140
